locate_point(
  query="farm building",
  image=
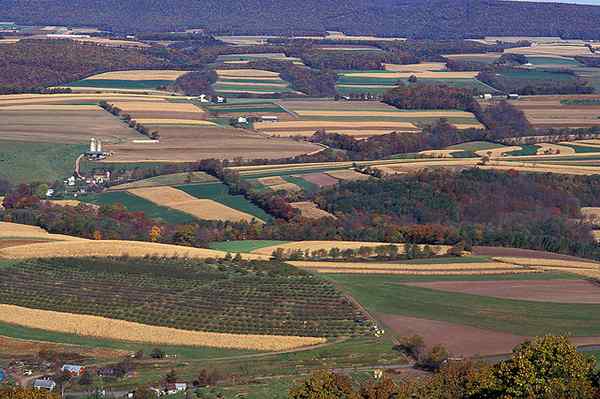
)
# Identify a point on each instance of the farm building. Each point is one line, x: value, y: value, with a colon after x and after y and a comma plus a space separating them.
x: 269, y: 118
x: 171, y: 389
x: 44, y: 384
x: 72, y: 369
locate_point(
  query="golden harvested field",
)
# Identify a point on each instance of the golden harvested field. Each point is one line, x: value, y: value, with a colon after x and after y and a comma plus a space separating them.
x: 50, y: 107
x: 551, y: 111
x: 165, y: 121
x: 498, y: 152
x: 390, y: 113
x: 66, y: 202
x: 439, y: 153
x: 570, y: 264
x: 422, y: 74
x: 185, y: 143
x: 137, y: 75
x: 426, y: 66
x: 552, y: 149
x: 201, y: 208
x: 552, y: 49
x: 60, y: 126
x: 349, y: 175
x: 331, y: 125
x: 356, y: 133
x: 102, y: 41
x: 254, y: 74
x: 72, y: 99
x: 86, y: 248
x: 159, y: 105
x: 277, y: 183
x: 14, y: 230
x: 104, y: 328
x: 482, y: 57
x: 310, y: 210
x: 327, y: 245
x: 458, y: 268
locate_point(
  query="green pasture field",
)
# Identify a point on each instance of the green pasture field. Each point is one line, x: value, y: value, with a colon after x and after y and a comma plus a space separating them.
x: 303, y: 184
x: 525, y: 150
x: 540, y: 60
x: 262, y: 82
x: 475, y: 146
x: 464, y: 154
x: 137, y: 204
x: 219, y: 192
x: 529, y: 74
x: 87, y: 167
x: 563, y: 158
x: 121, y: 84
x: 26, y: 162
x: 169, y: 180
x: 257, y: 89
x: 244, y: 245
x: 387, y: 84
x: 386, y: 294
x: 30, y: 334
x: 592, y: 75
x: 582, y: 148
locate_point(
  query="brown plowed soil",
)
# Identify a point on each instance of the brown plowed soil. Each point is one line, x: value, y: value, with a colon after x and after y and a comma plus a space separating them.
x: 559, y: 291
x: 522, y: 253
x: 320, y: 179
x: 462, y: 340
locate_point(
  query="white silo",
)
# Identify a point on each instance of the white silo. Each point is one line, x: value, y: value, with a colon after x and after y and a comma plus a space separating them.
x: 93, y: 145
x: 99, y: 145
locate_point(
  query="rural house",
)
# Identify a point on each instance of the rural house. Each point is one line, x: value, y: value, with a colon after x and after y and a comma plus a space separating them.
x: 73, y: 370
x: 44, y: 384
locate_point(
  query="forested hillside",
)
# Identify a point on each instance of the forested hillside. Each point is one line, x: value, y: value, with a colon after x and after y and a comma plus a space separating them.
x: 412, y: 18
x: 32, y: 65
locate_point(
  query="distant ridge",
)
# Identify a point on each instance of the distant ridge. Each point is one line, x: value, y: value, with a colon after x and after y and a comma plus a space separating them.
x: 437, y: 19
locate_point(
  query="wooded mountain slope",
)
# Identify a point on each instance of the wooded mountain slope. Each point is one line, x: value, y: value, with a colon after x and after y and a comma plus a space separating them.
x: 412, y: 18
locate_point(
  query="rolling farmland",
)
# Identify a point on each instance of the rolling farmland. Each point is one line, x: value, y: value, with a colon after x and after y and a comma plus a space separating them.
x: 560, y: 111
x: 377, y: 82
x: 357, y: 119
x: 487, y: 321
x: 249, y: 81
x: 135, y: 80
x: 186, y: 295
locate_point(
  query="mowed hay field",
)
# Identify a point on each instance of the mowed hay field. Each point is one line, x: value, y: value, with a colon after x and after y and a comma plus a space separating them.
x: 269, y: 299
x: 23, y: 231
x: 129, y: 80
x: 436, y: 266
x: 181, y: 143
x: 445, y: 310
x: 377, y: 81
x: 310, y: 210
x: 77, y: 248
x: 162, y: 111
x: 328, y: 245
x: 104, y: 328
x: 72, y: 124
x: 356, y: 119
x: 560, y: 111
x: 205, y: 209
x: 248, y: 81
x: 168, y: 180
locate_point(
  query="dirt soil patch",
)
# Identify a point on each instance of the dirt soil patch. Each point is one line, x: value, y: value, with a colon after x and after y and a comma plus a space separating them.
x: 559, y: 291
x: 523, y: 253
x: 462, y: 340
x: 320, y: 179
x: 16, y: 243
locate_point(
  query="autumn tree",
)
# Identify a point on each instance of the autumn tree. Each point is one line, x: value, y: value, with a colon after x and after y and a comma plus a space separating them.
x: 547, y: 367
x: 324, y: 385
